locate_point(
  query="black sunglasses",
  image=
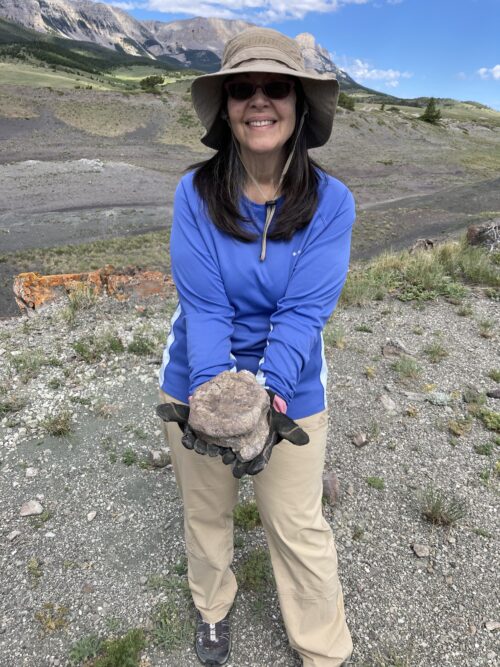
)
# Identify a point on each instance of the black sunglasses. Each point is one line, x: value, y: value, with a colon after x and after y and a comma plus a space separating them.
x: 244, y: 90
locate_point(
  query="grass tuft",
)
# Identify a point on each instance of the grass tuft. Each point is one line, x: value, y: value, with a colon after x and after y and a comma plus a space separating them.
x: 376, y: 483
x: 92, y: 348
x: 406, y: 367
x: 141, y: 345
x: 422, y: 275
x: 255, y: 573
x: 59, y: 424
x: 460, y: 426
x: 52, y: 617
x: 440, y: 508
x: 123, y: 651
x: 436, y: 352
x: 490, y: 419
x: 494, y: 374
x: 84, y: 650
x: 246, y: 516
x: 12, y: 404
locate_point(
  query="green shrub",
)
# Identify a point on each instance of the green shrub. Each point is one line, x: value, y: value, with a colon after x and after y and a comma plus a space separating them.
x: 376, y: 483
x: 255, y: 573
x: 346, y: 102
x: 490, y: 419
x: 142, y: 345
x: 246, y: 515
x: 122, y: 652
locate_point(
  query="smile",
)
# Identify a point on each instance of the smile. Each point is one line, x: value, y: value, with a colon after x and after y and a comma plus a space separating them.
x: 260, y: 123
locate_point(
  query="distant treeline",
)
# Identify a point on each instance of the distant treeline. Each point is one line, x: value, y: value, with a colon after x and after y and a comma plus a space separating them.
x: 53, y: 55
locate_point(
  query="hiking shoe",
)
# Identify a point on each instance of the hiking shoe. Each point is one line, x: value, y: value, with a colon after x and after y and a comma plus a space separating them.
x: 212, y: 641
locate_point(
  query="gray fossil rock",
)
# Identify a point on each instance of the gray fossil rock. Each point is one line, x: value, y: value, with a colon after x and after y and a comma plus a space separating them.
x: 232, y: 411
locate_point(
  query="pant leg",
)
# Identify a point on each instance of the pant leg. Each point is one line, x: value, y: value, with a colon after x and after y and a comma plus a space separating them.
x: 209, y: 493
x: 289, y: 497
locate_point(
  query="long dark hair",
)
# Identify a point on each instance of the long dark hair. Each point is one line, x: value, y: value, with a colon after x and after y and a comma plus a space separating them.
x: 219, y: 182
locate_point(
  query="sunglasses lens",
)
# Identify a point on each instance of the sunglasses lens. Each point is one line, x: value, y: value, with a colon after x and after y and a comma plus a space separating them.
x: 277, y: 90
x: 241, y: 90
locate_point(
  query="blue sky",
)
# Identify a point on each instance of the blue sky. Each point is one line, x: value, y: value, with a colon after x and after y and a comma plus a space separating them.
x: 444, y: 48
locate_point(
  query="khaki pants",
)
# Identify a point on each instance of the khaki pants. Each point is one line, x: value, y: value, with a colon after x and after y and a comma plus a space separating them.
x: 288, y: 494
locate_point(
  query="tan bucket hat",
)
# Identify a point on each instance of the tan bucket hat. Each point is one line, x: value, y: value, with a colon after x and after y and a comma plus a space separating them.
x: 266, y: 50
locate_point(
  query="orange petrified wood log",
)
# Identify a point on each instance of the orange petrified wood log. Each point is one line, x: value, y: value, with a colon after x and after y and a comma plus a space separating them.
x: 32, y: 290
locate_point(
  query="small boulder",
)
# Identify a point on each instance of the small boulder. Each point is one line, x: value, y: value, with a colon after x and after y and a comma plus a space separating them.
x: 359, y: 439
x: 31, y: 508
x: 331, y: 487
x: 421, y: 550
x: 159, y: 458
x: 394, y: 348
x: 494, y: 393
x: 487, y: 234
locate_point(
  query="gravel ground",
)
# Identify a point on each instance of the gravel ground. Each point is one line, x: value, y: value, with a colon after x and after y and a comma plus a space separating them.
x: 108, y: 548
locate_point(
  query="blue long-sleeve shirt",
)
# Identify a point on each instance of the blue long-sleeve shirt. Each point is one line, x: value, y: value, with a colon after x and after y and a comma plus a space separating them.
x: 236, y: 312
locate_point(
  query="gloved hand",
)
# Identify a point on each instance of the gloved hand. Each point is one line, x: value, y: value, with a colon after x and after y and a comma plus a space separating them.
x: 176, y: 412
x: 281, y: 428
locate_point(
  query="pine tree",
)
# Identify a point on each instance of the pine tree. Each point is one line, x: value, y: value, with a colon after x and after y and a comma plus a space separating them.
x: 431, y: 114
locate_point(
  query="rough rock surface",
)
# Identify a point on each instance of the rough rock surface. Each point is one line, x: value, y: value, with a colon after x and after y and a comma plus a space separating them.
x: 231, y: 411
x: 33, y: 290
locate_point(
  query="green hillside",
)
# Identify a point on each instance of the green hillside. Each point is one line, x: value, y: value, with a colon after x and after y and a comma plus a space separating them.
x: 28, y: 45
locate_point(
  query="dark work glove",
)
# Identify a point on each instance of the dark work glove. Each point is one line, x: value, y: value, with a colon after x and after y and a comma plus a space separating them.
x: 175, y: 412
x: 281, y: 428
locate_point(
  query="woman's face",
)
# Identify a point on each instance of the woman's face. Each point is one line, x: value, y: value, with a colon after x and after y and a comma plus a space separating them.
x: 262, y: 125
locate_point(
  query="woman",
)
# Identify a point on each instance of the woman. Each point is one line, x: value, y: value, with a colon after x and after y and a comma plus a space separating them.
x: 260, y: 250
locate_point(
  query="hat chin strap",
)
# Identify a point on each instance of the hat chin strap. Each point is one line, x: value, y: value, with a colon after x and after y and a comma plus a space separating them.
x: 270, y: 204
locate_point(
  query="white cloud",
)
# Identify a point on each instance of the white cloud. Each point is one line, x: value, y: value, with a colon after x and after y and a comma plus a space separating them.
x: 462, y: 76
x: 256, y: 11
x: 490, y: 72
x: 363, y: 71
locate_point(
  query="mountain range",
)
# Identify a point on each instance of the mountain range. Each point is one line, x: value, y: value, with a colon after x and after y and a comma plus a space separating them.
x: 194, y: 43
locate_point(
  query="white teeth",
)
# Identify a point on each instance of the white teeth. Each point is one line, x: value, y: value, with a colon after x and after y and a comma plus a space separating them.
x: 260, y: 123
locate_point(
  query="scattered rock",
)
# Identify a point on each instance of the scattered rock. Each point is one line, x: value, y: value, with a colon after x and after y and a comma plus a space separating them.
x: 88, y: 587
x: 388, y: 403
x: 350, y: 490
x: 394, y: 348
x: 231, y: 411
x: 421, y: 550
x: 31, y: 472
x: 91, y: 515
x: 494, y: 393
x: 422, y: 244
x: 30, y: 508
x: 12, y: 536
x: 360, y: 439
x: 331, y: 487
x: 492, y: 626
x: 487, y: 234
x: 159, y: 458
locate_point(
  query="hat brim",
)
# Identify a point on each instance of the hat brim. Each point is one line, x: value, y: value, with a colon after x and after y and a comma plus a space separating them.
x: 321, y: 92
